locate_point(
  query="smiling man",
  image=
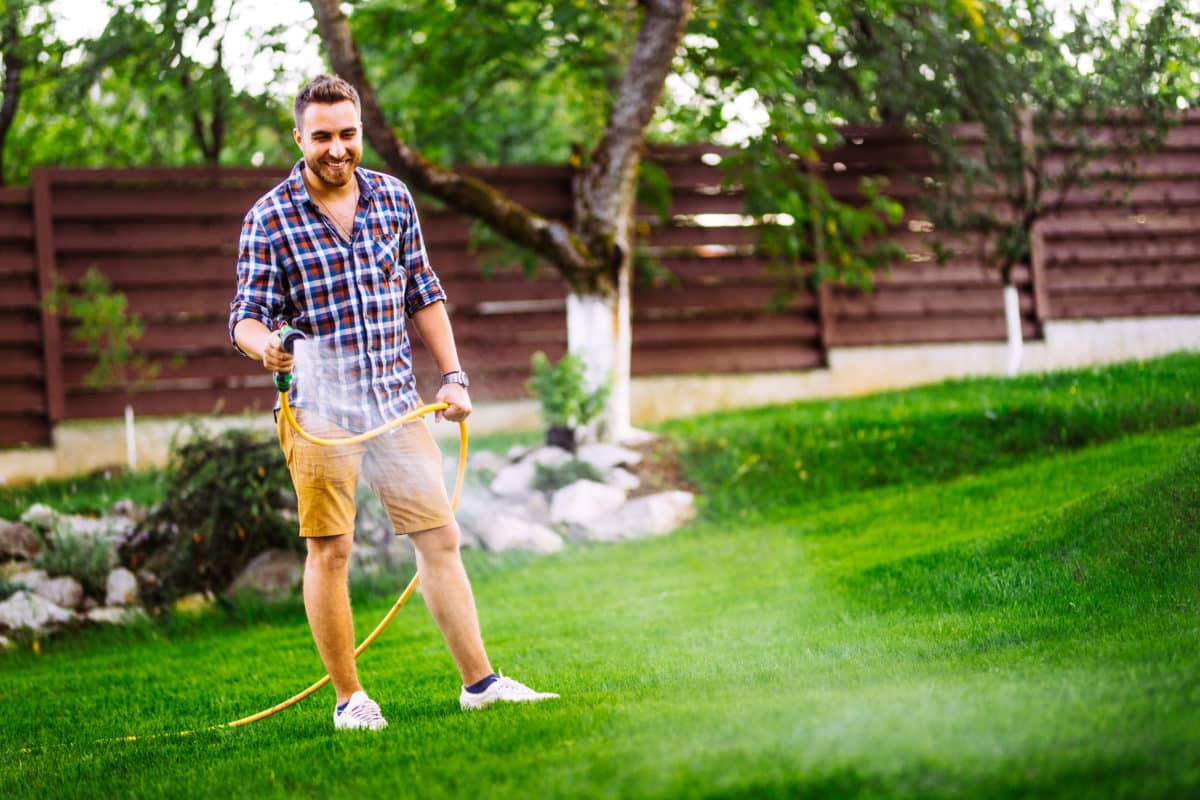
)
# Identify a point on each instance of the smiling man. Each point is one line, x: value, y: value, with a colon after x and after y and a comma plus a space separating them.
x: 336, y: 251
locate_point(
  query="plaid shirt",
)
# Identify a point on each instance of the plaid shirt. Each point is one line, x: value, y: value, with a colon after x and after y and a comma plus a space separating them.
x: 349, y: 299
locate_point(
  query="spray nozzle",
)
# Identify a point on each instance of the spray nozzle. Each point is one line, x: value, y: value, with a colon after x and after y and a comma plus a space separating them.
x: 288, y: 336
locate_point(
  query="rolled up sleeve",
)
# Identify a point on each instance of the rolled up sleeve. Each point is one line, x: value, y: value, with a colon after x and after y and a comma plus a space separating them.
x: 260, y: 293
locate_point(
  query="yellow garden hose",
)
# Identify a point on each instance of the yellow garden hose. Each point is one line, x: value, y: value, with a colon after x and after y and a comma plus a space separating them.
x: 286, y: 409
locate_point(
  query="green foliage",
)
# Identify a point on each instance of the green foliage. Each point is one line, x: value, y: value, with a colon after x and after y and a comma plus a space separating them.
x: 562, y: 392
x: 109, y: 330
x: 547, y: 477
x: 8, y: 588
x: 87, y: 559
x: 223, y: 503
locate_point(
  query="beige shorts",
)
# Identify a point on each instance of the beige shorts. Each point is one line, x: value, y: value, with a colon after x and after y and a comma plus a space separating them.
x: 403, y: 467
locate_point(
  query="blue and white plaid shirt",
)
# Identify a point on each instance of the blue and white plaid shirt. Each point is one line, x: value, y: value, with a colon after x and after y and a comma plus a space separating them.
x: 349, y: 299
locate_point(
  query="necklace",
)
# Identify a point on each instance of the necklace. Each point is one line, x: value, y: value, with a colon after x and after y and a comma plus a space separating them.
x: 345, y: 233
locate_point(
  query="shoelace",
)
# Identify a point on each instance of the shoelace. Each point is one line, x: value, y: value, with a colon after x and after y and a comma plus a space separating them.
x: 367, y: 711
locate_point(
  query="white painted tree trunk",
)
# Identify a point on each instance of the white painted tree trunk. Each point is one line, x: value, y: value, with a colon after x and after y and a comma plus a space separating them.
x: 1012, y: 320
x: 599, y: 333
x: 130, y: 439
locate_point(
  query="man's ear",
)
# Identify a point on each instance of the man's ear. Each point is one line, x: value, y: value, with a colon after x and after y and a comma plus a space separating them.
x: 299, y: 139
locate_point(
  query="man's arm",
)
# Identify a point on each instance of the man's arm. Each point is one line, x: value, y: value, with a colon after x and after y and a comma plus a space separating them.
x: 262, y: 344
x: 433, y: 323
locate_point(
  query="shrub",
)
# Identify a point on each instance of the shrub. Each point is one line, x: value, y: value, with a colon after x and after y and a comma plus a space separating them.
x: 223, y: 503
x: 548, y: 478
x: 87, y: 559
x: 561, y: 391
x: 8, y: 588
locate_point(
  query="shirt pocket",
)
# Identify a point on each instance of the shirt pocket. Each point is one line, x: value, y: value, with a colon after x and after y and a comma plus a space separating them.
x: 385, y: 257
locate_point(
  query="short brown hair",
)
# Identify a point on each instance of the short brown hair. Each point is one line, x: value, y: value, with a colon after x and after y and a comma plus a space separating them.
x: 328, y: 89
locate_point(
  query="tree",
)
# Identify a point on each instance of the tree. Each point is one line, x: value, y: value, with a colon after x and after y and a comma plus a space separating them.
x: 30, y: 56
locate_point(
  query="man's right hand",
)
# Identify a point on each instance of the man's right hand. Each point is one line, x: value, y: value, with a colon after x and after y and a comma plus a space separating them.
x: 274, y: 357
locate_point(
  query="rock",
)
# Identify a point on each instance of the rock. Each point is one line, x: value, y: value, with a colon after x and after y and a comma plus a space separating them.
x: 6, y: 643
x: 28, y: 610
x: 18, y: 541
x: 109, y: 529
x: 604, y: 457
x: 510, y: 532
x: 486, y: 461
x: 40, y: 516
x: 63, y: 591
x: 652, y: 515
x: 514, y: 479
x: 121, y: 588
x: 533, y: 507
x: 517, y: 452
x: 548, y: 457
x: 272, y: 573
x: 584, y: 500
x: 623, y: 479
x: 113, y: 615
x: 29, y: 578
x: 129, y: 509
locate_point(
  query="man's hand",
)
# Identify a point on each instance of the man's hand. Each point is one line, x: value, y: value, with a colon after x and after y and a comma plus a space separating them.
x: 274, y: 357
x: 455, y: 395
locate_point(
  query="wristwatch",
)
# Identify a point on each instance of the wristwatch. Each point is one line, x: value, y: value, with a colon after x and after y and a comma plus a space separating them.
x: 458, y: 376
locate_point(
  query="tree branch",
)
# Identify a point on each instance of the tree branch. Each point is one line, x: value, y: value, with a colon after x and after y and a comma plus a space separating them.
x: 548, y: 238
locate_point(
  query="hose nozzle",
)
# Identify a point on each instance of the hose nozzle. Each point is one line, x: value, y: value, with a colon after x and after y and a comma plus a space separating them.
x: 288, y: 336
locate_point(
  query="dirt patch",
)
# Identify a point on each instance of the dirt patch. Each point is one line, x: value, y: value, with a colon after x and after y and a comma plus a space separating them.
x: 661, y: 468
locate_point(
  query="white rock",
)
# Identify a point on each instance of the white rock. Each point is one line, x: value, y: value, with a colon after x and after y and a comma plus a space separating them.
x: 29, y: 578
x: 271, y: 573
x: 486, y: 461
x: 514, y: 479
x: 623, y: 479
x: 121, y: 588
x: 652, y: 515
x: 28, y: 610
x: 605, y: 457
x: 584, y: 500
x: 510, y: 532
x: 40, y: 516
x: 548, y: 457
x: 6, y: 643
x: 114, y: 615
x: 517, y: 452
x: 63, y: 591
x: 533, y: 507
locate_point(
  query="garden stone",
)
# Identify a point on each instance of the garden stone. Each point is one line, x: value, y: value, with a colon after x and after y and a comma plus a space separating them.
x: 652, y: 515
x: 40, y: 516
x: 505, y: 532
x: 121, y: 589
x: 196, y: 603
x: 114, y: 615
x: 129, y: 509
x: 623, y: 479
x: 517, y: 452
x: 604, y: 457
x: 514, y: 479
x: 29, y: 578
x: 28, y: 610
x: 486, y: 461
x: 6, y: 643
x: 18, y: 541
x: 63, y: 591
x: 272, y: 573
x: 548, y: 457
x: 533, y: 507
x: 584, y: 500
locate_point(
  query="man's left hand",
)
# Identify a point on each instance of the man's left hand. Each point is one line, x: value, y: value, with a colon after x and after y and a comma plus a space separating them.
x: 455, y: 396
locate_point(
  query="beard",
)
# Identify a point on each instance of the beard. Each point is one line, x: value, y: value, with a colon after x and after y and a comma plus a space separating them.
x: 330, y: 177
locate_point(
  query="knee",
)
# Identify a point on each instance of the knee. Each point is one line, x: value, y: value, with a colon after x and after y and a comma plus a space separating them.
x: 438, y: 543
x: 332, y: 553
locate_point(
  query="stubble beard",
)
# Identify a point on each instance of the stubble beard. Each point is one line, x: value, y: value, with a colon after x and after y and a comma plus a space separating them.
x: 329, y: 178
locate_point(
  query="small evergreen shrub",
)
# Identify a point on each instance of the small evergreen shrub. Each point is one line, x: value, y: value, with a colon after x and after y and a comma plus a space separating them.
x: 223, y: 504
x: 547, y: 478
x: 87, y: 559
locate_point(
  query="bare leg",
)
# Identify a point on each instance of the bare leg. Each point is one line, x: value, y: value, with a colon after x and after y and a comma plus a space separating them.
x: 447, y: 592
x: 327, y: 602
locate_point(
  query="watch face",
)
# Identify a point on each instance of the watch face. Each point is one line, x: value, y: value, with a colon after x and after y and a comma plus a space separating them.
x: 456, y: 377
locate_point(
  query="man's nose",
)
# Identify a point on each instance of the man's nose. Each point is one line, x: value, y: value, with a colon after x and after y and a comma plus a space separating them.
x: 337, y: 148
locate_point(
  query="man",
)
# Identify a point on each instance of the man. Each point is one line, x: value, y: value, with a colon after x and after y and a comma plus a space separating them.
x: 336, y: 251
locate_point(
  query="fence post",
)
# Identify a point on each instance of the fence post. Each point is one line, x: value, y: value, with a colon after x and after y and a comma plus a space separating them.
x: 43, y: 237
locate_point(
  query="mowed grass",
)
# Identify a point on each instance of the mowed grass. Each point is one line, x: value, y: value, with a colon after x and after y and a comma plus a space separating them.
x: 1027, y: 625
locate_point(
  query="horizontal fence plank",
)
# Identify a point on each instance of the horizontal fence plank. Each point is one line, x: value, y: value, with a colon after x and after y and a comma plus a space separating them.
x: 763, y: 357
x: 23, y: 430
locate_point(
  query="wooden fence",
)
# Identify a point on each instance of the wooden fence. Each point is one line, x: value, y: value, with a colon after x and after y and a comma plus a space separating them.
x: 167, y: 239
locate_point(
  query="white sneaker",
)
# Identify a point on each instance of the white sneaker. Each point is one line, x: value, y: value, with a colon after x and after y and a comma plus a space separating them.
x: 361, y: 713
x: 505, y: 689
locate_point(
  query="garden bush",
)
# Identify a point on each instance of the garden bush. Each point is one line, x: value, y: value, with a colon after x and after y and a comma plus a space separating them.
x: 87, y: 559
x: 228, y: 498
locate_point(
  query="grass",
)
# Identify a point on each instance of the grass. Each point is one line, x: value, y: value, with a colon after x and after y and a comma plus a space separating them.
x: 1021, y: 625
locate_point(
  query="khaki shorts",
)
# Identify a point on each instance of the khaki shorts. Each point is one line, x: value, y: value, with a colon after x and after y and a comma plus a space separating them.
x: 403, y: 468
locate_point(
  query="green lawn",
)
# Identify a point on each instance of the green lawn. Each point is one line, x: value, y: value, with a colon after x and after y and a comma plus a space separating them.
x: 947, y: 625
